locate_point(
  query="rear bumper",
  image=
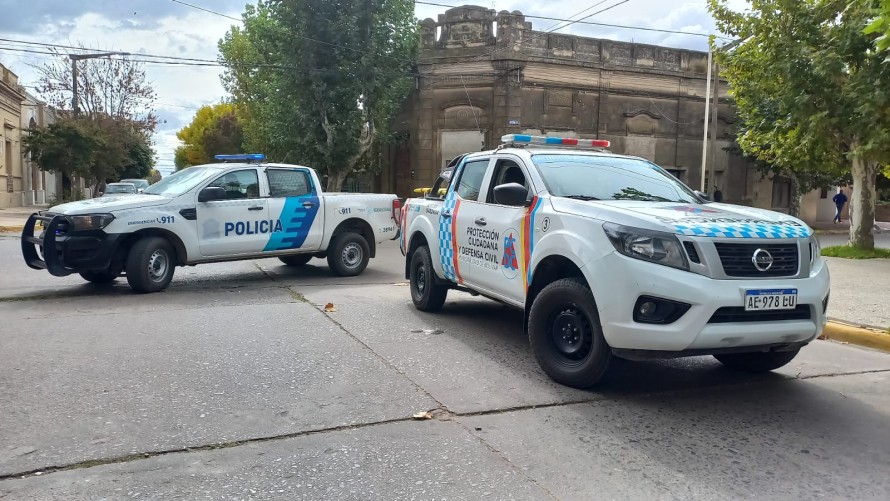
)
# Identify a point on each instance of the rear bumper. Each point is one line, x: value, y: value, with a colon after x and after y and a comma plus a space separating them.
x: 61, y: 252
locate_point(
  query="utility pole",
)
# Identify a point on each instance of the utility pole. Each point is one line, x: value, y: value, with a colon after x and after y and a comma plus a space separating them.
x: 704, y: 142
x: 716, y: 107
x: 74, y: 59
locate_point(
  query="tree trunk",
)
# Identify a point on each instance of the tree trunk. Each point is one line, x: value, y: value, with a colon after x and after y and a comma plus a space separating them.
x: 335, y: 180
x: 794, y: 198
x: 862, y: 204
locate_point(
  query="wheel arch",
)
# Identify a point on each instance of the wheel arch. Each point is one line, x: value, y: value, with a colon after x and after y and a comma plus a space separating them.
x: 360, y: 226
x: 548, y: 270
x: 418, y: 239
x: 175, y: 241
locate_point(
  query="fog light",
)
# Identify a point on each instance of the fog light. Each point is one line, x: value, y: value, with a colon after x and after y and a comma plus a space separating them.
x: 647, y: 308
x: 653, y: 310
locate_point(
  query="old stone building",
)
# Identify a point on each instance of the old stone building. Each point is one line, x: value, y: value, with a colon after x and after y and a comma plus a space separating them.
x: 483, y: 74
x: 11, y: 175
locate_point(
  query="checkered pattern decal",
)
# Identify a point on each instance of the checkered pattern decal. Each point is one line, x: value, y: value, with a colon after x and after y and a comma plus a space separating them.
x: 742, y: 230
x: 446, y: 237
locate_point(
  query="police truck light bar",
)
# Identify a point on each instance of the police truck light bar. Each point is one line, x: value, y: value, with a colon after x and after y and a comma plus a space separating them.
x: 555, y: 141
x: 246, y: 157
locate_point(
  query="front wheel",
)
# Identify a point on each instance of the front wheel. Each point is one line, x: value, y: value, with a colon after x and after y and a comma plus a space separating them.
x: 349, y: 254
x: 757, y: 361
x: 566, y: 336
x: 426, y: 294
x: 150, y: 264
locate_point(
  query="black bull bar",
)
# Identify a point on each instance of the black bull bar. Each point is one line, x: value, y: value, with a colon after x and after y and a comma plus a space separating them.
x: 54, y: 228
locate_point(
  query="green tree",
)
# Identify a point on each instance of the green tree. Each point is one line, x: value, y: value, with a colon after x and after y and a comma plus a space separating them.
x: 320, y: 80
x: 880, y: 25
x: 65, y: 147
x: 214, y: 130
x: 808, y: 86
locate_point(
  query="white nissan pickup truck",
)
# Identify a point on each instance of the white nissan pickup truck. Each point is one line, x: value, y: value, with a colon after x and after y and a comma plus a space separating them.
x: 241, y: 209
x: 610, y: 255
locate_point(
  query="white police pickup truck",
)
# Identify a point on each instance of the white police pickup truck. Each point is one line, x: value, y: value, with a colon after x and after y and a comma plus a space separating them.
x: 209, y: 213
x: 610, y: 255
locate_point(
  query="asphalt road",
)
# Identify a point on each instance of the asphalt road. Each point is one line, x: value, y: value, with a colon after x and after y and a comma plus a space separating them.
x: 234, y: 383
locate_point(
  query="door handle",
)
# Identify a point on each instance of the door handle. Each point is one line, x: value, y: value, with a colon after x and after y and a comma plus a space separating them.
x: 308, y: 205
x: 255, y: 208
x: 480, y: 221
x: 446, y: 213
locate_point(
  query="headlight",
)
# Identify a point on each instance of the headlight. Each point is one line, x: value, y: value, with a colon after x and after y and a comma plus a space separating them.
x: 652, y: 246
x: 90, y: 221
x: 815, y: 249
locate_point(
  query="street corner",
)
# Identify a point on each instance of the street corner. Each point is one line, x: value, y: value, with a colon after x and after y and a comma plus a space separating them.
x: 867, y: 337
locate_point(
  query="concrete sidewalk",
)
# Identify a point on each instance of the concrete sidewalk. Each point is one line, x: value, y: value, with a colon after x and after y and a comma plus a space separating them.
x: 15, y: 217
x: 844, y: 227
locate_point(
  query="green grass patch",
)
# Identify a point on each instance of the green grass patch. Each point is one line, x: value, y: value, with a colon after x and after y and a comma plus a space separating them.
x: 847, y: 252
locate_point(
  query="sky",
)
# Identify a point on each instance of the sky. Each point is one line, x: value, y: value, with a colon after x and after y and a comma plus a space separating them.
x: 167, y: 27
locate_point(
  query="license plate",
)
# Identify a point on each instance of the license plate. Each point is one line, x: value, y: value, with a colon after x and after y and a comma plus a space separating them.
x: 770, y: 299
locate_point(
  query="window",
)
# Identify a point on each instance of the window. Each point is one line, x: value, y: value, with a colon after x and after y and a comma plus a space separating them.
x: 507, y: 171
x: 823, y: 193
x: 598, y: 177
x: 239, y: 184
x: 288, y: 183
x: 470, y: 181
x: 781, y: 193
x: 440, y: 187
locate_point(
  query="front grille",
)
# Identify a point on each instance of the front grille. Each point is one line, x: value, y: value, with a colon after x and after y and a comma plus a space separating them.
x: 736, y: 259
x: 729, y: 314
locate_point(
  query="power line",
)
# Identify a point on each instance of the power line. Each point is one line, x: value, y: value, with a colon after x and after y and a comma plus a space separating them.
x: 592, y: 23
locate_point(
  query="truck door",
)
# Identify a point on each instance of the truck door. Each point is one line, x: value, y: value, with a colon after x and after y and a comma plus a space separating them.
x: 238, y: 224
x: 296, y: 207
x: 507, y: 225
x: 465, y: 244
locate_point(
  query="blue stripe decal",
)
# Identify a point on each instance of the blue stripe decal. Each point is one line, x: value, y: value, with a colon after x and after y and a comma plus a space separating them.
x: 294, y: 217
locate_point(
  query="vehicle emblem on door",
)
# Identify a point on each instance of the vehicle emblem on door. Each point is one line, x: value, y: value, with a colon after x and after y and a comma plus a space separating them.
x: 762, y: 259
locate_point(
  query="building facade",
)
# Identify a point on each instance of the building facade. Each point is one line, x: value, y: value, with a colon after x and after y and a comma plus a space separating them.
x: 39, y: 187
x: 483, y: 74
x: 11, y: 173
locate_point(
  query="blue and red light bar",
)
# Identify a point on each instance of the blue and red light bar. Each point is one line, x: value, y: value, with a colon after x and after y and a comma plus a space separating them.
x: 555, y: 141
x: 246, y: 157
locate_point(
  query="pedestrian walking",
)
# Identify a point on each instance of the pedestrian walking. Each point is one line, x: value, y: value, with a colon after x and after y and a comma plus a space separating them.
x: 839, y: 201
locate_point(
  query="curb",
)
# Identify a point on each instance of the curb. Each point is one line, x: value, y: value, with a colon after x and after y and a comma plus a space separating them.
x: 11, y: 229
x: 860, y: 336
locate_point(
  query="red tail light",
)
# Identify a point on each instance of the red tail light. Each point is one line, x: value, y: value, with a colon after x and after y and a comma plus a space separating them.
x: 397, y: 210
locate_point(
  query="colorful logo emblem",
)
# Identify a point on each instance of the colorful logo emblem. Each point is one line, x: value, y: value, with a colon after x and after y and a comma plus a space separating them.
x: 510, y: 260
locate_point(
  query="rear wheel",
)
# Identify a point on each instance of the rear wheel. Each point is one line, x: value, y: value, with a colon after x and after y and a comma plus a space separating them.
x: 150, y: 264
x: 349, y: 254
x: 565, y: 334
x: 757, y: 361
x: 296, y: 260
x: 426, y: 294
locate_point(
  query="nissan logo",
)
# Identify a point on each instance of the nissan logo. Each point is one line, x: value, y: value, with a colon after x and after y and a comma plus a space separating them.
x: 762, y: 259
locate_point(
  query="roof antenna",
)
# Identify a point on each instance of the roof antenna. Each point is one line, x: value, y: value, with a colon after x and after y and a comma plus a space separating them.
x: 285, y: 156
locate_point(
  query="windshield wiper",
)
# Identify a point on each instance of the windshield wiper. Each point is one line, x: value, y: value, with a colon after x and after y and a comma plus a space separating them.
x: 580, y: 197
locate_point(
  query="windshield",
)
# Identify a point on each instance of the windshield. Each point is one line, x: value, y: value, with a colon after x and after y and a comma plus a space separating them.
x: 180, y: 182
x: 596, y: 177
x: 118, y: 188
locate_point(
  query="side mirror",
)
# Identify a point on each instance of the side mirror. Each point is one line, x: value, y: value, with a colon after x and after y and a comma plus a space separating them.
x: 702, y: 195
x: 513, y: 194
x: 211, y: 193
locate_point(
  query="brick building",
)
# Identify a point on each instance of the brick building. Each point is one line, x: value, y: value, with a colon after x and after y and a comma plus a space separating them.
x: 483, y: 74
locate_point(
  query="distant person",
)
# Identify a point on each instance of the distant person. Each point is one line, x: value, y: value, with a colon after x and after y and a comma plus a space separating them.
x: 718, y: 195
x: 839, y: 201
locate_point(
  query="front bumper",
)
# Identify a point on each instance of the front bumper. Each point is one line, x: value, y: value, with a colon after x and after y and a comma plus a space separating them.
x: 62, y: 252
x: 618, y: 281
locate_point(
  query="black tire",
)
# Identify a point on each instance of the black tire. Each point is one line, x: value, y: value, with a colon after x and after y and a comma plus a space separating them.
x: 150, y: 264
x: 757, y: 361
x: 99, y: 277
x: 349, y: 254
x: 565, y: 334
x: 296, y: 260
x: 426, y: 294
